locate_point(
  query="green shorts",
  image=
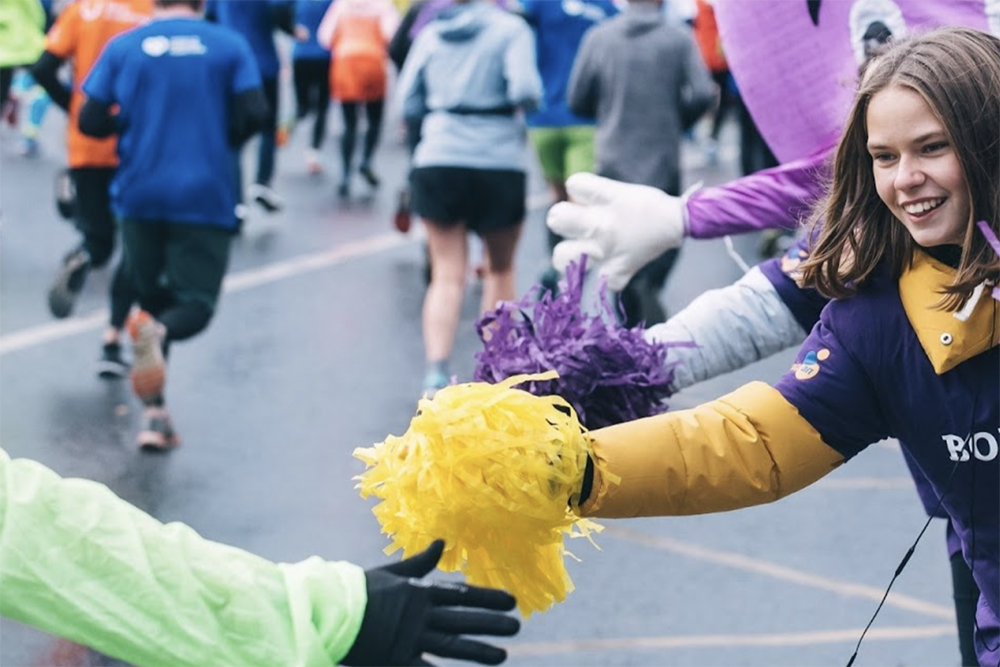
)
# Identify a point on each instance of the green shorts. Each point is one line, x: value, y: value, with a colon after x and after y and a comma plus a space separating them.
x: 563, y: 151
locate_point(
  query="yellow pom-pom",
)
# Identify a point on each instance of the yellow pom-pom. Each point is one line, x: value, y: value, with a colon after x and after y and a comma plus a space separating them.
x: 489, y: 469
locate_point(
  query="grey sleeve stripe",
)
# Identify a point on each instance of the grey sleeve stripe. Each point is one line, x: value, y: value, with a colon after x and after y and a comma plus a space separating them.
x: 731, y: 327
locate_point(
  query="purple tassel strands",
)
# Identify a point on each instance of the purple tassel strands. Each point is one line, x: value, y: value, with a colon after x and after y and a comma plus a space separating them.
x: 608, y: 373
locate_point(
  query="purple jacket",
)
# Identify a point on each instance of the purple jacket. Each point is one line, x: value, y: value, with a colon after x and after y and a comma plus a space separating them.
x: 938, y: 394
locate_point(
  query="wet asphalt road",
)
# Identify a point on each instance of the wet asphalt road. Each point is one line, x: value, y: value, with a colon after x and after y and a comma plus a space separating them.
x: 316, y: 350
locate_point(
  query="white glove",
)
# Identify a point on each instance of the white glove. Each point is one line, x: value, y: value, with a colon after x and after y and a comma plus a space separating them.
x: 623, y: 225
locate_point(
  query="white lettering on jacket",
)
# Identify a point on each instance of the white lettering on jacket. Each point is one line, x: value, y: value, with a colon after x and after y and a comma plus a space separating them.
x: 981, y: 444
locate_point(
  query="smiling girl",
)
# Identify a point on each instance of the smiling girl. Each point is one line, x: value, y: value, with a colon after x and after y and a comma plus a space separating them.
x: 909, y: 346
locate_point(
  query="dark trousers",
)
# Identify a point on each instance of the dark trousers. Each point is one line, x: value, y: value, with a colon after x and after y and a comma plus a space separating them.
x: 312, y: 94
x: 373, y: 119
x: 95, y: 221
x: 6, y: 78
x: 266, y: 144
x: 177, y: 270
x: 755, y: 154
x: 727, y: 102
x: 640, y: 300
x: 266, y: 147
x: 966, y: 594
x: 93, y: 217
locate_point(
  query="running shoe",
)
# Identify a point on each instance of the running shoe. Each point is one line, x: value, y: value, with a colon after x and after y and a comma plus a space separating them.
x: 313, y: 165
x: 68, y: 283
x: 370, y: 177
x: 434, y: 381
x: 28, y: 147
x: 157, y: 432
x: 403, y: 218
x: 268, y: 199
x: 12, y: 112
x: 549, y: 283
x: 112, y: 365
x: 242, y: 212
x: 149, y: 370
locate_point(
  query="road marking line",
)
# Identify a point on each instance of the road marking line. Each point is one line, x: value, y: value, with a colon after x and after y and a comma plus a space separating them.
x: 269, y: 273
x: 289, y: 268
x: 297, y: 266
x: 731, y: 641
x: 769, y: 569
x: 854, y: 483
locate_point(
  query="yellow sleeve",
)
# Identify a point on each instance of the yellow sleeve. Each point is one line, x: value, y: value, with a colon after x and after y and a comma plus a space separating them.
x: 747, y: 448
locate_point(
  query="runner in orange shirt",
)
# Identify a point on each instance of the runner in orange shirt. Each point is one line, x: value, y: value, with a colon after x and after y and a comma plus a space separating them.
x: 79, y: 35
x: 358, y: 33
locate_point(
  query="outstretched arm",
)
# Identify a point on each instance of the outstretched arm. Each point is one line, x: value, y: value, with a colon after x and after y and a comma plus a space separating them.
x: 747, y: 448
x: 753, y: 446
x: 79, y: 562
x: 625, y: 226
x: 779, y: 197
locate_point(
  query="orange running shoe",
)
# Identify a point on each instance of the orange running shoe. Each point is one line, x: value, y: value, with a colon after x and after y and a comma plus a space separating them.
x: 149, y: 370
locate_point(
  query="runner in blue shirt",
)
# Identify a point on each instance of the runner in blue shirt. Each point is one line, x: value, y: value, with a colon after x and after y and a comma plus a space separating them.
x: 187, y: 93
x: 563, y: 140
x: 256, y: 22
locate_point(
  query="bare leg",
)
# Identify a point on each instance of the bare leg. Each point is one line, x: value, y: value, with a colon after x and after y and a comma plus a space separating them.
x: 449, y: 253
x: 498, y: 282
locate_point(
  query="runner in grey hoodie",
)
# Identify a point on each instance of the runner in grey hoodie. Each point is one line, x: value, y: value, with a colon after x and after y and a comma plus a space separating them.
x: 474, y: 56
x: 644, y: 81
x: 471, y: 74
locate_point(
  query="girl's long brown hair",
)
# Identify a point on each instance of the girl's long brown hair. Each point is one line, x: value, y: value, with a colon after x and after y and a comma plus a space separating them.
x: 957, y: 72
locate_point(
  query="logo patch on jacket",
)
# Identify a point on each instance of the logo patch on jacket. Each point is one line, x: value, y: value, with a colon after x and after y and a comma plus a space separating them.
x: 791, y: 260
x: 809, y: 367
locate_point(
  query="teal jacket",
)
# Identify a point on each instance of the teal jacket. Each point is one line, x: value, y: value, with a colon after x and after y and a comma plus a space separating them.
x: 81, y: 563
x: 22, y: 32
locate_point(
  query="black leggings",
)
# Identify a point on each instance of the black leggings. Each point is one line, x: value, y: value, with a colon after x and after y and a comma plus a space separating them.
x: 177, y: 270
x: 312, y: 93
x: 966, y: 594
x: 94, y: 219
x: 726, y: 104
x: 96, y: 223
x: 6, y: 78
x: 373, y: 117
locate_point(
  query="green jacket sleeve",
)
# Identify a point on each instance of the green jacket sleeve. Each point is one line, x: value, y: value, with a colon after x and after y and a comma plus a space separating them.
x: 22, y: 32
x: 79, y: 562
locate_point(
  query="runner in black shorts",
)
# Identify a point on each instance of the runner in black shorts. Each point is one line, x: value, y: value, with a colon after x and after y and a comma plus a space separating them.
x: 469, y: 167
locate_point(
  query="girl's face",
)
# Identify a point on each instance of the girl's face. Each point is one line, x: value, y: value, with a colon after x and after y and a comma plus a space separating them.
x: 917, y: 172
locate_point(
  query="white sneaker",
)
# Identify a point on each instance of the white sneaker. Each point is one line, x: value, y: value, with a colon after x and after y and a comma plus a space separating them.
x: 268, y: 199
x: 313, y: 165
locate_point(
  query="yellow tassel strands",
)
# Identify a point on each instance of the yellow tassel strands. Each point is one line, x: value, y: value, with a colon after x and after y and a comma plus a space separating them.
x: 490, y: 469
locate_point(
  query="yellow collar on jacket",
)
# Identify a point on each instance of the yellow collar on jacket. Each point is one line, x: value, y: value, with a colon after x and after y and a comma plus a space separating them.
x: 947, y: 340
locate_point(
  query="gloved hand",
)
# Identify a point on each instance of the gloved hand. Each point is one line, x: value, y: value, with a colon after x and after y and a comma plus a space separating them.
x: 623, y: 225
x: 407, y: 616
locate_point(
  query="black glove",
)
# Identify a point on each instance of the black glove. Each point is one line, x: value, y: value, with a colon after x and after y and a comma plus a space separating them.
x: 407, y: 616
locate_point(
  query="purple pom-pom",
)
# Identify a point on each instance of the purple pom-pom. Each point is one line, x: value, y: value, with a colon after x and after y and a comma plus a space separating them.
x: 608, y: 373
